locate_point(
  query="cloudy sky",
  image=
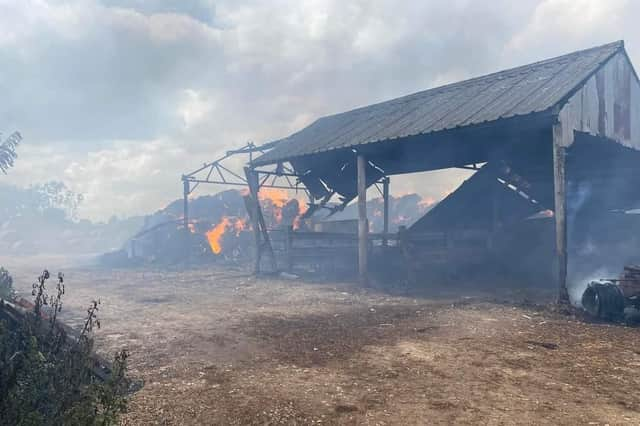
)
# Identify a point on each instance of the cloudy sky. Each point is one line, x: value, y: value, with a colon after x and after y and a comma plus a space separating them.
x: 117, y: 98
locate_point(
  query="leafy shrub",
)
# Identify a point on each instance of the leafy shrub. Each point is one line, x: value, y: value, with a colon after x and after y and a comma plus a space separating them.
x: 46, y: 378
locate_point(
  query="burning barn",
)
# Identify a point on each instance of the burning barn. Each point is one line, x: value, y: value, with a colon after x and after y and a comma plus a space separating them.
x: 555, y: 150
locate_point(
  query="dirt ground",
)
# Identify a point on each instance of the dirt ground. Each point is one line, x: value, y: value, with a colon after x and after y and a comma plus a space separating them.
x: 218, y: 346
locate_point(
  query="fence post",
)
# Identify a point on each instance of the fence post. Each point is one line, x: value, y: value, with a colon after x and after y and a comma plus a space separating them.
x: 288, y: 245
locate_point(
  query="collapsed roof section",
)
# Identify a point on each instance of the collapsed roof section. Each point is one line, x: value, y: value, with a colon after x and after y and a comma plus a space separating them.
x: 603, y: 178
x: 492, y: 195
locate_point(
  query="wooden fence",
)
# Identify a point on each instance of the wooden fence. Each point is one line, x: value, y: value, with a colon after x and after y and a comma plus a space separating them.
x: 333, y: 252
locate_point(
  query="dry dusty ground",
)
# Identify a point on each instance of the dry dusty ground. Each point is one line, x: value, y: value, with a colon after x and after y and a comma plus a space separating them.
x: 221, y: 347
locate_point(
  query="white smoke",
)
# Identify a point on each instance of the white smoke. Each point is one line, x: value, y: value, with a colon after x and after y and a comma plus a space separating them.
x: 579, y: 282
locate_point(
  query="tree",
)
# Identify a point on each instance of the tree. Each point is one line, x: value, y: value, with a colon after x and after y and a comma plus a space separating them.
x: 8, y: 151
x: 52, y: 200
x: 55, y: 195
x: 6, y: 284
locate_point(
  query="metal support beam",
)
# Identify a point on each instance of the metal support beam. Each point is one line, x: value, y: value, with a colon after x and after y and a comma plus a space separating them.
x: 254, y: 206
x: 217, y: 173
x: 263, y: 243
x: 385, y: 218
x: 185, y: 216
x: 560, y: 212
x: 363, y: 225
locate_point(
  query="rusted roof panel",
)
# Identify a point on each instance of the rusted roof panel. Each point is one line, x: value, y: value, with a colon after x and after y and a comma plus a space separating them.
x: 519, y: 91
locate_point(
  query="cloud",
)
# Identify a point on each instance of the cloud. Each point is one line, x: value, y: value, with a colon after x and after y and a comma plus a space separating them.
x: 201, y: 10
x: 577, y: 24
x: 119, y: 97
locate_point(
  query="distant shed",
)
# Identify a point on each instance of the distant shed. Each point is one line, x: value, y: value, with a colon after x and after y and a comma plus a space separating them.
x: 520, y: 122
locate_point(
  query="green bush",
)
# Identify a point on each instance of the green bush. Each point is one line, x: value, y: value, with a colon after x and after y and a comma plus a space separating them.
x: 47, y: 379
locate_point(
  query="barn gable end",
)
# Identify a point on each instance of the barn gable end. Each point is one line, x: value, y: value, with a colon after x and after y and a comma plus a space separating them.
x: 607, y: 104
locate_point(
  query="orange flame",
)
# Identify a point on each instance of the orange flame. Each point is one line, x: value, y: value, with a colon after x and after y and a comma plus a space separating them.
x: 302, y: 209
x: 278, y: 197
x: 214, y: 235
x: 273, y: 201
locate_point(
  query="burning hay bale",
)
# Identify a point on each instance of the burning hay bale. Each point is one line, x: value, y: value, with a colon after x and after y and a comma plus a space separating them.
x: 219, y: 228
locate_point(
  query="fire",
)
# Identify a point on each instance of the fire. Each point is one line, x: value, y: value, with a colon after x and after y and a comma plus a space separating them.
x: 277, y: 204
x: 278, y: 197
x: 214, y: 235
x: 302, y: 209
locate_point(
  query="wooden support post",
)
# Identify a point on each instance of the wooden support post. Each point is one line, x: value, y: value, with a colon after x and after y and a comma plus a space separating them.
x: 385, y: 199
x: 259, y: 226
x: 560, y: 213
x: 405, y: 248
x: 185, y: 216
x: 266, y: 241
x: 363, y: 225
x: 288, y: 244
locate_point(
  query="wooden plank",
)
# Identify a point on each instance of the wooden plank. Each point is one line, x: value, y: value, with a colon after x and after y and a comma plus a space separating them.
x: 304, y: 235
x: 363, y: 226
x: 560, y: 213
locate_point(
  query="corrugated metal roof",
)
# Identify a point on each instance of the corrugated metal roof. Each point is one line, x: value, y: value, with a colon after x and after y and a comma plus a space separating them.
x: 519, y: 91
